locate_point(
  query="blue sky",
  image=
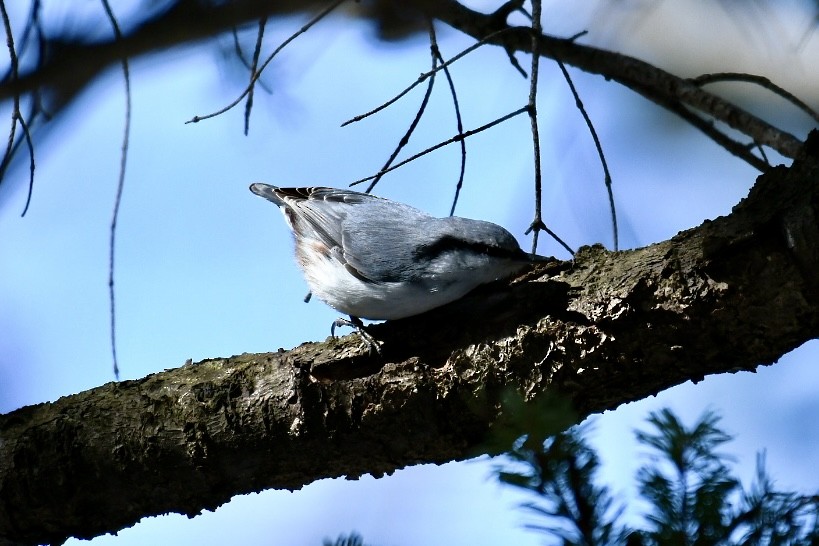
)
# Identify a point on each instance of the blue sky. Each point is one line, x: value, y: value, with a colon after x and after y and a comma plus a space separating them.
x: 205, y: 269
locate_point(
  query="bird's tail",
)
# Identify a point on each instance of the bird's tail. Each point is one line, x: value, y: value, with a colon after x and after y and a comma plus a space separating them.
x: 268, y: 192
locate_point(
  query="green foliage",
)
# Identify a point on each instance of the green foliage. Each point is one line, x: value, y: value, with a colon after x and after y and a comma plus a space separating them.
x: 689, y: 483
x: 776, y: 518
x: 693, y: 497
x: 574, y: 509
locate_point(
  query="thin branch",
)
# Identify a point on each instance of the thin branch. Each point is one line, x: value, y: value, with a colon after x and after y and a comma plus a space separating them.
x: 537, y: 224
x: 552, y: 234
x: 502, y: 16
x: 254, y: 64
x: 240, y: 54
x: 32, y: 22
x: 30, y: 146
x: 457, y: 108
x: 515, y: 64
x: 120, y: 185
x: 736, y: 148
x: 237, y: 48
x: 405, y: 139
x: 191, y: 21
x: 16, y: 115
x: 653, y: 83
x: 601, y: 155
x: 456, y: 138
x: 763, y: 154
x: 14, y: 70
x: 322, y: 14
x: 423, y: 77
x: 532, y: 110
x: 761, y: 81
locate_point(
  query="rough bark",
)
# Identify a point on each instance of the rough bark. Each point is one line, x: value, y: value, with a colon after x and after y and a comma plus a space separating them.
x: 608, y: 328
x: 611, y: 327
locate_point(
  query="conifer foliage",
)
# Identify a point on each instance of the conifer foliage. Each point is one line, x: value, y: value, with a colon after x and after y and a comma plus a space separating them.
x: 687, y: 483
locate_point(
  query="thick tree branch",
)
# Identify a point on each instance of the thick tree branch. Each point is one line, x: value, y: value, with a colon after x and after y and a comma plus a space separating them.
x: 610, y: 327
x: 72, y: 65
x: 655, y: 84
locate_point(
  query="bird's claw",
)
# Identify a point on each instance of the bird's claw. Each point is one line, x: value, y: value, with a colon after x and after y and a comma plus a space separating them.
x: 367, y: 339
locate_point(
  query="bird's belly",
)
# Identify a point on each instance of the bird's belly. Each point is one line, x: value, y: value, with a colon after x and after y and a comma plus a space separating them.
x: 335, y: 285
x: 390, y: 301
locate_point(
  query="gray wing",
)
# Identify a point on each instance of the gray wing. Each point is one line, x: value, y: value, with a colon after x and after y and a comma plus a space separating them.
x: 374, y: 237
x: 380, y: 240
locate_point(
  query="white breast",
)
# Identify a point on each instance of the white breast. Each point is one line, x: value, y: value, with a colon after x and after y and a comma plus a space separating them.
x: 334, y: 284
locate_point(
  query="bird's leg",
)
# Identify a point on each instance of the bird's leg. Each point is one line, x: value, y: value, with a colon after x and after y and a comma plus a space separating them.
x: 355, y: 322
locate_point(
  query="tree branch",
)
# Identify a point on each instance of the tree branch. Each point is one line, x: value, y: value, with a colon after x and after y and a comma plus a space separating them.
x: 653, y: 83
x: 607, y: 328
x: 74, y: 64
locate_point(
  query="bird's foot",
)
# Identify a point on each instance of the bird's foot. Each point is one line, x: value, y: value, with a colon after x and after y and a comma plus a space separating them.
x: 367, y: 339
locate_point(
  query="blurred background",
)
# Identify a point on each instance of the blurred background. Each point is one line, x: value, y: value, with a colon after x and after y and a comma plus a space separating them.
x: 205, y: 269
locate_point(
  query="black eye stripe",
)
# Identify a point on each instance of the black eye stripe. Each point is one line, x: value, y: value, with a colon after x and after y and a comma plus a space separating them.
x: 449, y: 243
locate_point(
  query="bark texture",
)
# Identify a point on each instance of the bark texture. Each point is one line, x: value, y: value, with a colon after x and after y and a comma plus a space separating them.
x: 731, y: 294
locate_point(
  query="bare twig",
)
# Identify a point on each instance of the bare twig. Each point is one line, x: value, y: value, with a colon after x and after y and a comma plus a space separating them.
x: 653, y: 83
x: 501, y: 15
x: 763, y: 154
x: 436, y: 59
x: 532, y: 110
x: 456, y: 138
x: 457, y: 108
x: 321, y: 15
x: 740, y: 150
x: 552, y: 234
x: 192, y: 21
x: 537, y: 224
x: 237, y: 48
x: 30, y: 147
x: 254, y: 64
x: 14, y: 72
x: 32, y: 23
x: 120, y: 185
x: 423, y: 77
x: 600, y: 154
x: 240, y: 54
x: 421, y: 109
x: 16, y: 116
x: 761, y: 81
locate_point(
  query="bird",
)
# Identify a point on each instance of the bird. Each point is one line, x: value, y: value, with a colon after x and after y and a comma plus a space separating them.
x: 372, y: 258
